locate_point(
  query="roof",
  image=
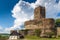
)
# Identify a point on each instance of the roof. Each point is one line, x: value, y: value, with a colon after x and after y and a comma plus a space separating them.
x: 15, y: 33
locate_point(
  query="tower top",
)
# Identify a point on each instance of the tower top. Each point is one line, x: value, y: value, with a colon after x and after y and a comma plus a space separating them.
x: 40, y: 7
x: 39, y: 13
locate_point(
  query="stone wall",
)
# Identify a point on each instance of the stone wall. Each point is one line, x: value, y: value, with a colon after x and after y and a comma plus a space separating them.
x: 58, y: 31
x: 46, y: 25
x: 39, y: 13
x: 34, y: 24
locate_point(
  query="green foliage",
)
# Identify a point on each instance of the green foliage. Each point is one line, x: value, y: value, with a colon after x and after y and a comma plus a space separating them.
x: 32, y: 37
x: 57, y: 23
x: 50, y: 34
x: 3, y: 37
x: 57, y: 20
x: 37, y: 32
x: 38, y: 38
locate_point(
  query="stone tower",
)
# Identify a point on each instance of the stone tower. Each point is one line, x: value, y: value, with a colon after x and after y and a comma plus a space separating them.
x: 46, y: 25
x: 39, y: 13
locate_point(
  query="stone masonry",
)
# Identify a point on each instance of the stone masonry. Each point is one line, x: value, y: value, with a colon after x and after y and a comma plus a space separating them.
x: 46, y: 25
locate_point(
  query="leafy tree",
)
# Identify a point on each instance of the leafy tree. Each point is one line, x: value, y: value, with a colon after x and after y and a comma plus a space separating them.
x: 49, y: 34
x: 57, y: 23
x: 37, y: 32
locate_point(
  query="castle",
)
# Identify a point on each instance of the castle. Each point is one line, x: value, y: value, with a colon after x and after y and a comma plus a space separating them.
x: 45, y: 25
x: 40, y: 25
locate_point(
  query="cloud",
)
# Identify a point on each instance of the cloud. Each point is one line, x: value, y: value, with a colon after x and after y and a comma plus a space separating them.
x: 52, y: 10
x: 23, y: 11
x: 52, y: 7
x: 2, y: 30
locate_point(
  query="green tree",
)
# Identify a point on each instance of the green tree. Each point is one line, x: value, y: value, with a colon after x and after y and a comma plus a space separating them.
x: 37, y: 32
x: 50, y: 34
x: 57, y: 23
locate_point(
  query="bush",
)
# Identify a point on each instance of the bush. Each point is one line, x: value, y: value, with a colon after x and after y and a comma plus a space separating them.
x: 37, y: 32
x: 31, y: 37
x: 3, y: 37
x: 50, y: 34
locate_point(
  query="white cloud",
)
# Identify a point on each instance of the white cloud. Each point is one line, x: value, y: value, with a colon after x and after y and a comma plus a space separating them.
x: 23, y: 11
x: 1, y: 28
x: 52, y: 10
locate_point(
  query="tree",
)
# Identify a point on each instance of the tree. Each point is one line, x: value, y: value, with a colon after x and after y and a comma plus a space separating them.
x: 57, y: 23
x: 37, y: 32
x: 49, y: 34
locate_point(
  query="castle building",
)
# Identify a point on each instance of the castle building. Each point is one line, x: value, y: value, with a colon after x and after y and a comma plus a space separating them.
x: 46, y: 25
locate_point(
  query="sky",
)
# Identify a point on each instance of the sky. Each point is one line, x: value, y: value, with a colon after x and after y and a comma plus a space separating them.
x: 13, y: 13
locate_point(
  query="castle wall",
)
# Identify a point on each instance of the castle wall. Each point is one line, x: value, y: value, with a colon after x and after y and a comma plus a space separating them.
x: 58, y: 31
x: 39, y: 13
x: 32, y: 24
x: 46, y: 25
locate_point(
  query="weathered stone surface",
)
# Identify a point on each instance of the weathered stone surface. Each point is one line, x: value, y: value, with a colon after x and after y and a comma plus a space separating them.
x: 39, y: 13
x: 58, y: 31
x: 46, y: 25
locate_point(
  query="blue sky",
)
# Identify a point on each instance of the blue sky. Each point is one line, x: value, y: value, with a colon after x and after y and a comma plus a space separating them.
x: 6, y: 20
x: 13, y: 13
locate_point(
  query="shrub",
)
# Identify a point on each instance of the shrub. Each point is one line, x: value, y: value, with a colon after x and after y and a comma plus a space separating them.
x: 49, y: 34
x: 37, y: 32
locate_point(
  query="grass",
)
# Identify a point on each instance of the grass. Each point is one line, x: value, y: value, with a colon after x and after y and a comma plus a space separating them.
x: 30, y: 38
x: 44, y: 39
x: 38, y: 38
x: 3, y: 37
